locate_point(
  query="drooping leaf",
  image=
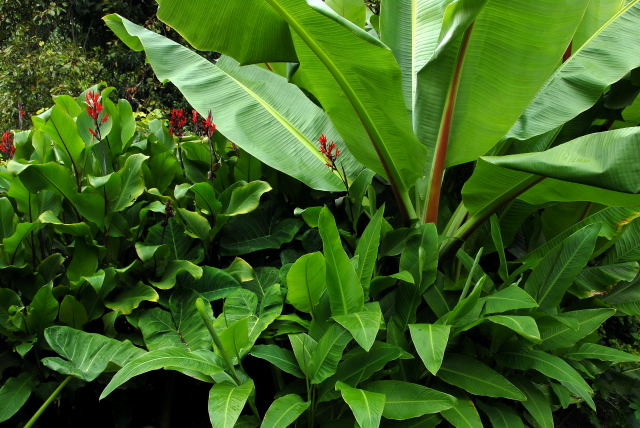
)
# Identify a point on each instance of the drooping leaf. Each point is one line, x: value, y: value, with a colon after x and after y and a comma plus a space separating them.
x: 226, y: 402
x: 477, y: 378
x: 575, y: 87
x: 359, y: 365
x: 366, y: 406
x: 367, y: 250
x: 304, y: 350
x: 537, y: 403
x: 126, y: 300
x: 430, y: 341
x: 86, y: 355
x: 564, y: 330
x: 169, y: 359
x: 241, y: 97
x: 501, y: 415
x: 602, y: 353
x: 284, y: 411
x: 406, y: 400
x: 245, y: 198
x: 328, y: 352
x: 280, y: 357
x: 525, y: 326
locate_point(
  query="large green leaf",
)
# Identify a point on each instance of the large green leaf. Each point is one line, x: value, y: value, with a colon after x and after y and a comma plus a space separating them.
x: 514, y: 46
x: 126, y: 185
x: 358, y: 82
x: 552, y: 277
x: 240, y: 97
x: 181, y: 326
x: 508, y: 299
x: 14, y: 393
x: 226, y: 402
x: 343, y: 285
x: 597, y: 14
x: 477, y: 378
x: 203, y: 362
x: 306, y: 282
x: 367, y: 250
x: 537, y: 403
x: 358, y: 365
x: 260, y: 36
x: 501, y: 416
x: 86, y: 355
x: 411, y: 28
x: 366, y: 406
x: 406, y: 400
x: 284, y: 411
x: 523, y: 325
x: 55, y: 177
x: 577, y: 85
x: 430, y: 341
x: 607, y: 160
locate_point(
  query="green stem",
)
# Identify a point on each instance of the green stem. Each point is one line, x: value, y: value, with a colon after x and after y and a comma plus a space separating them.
x: 201, y: 307
x: 483, y: 214
x: 48, y: 401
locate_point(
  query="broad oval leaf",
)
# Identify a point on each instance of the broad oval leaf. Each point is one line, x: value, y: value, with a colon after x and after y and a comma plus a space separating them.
x: 430, y: 340
x: 14, y: 393
x: 306, y: 282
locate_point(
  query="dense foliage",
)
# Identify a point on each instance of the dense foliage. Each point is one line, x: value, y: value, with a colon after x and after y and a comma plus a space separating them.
x: 403, y: 219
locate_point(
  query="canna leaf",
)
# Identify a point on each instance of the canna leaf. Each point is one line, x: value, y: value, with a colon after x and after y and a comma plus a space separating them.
x: 284, y: 411
x: 430, y: 341
x: 226, y: 402
x: 406, y: 400
x: 463, y: 415
x: 367, y: 406
x: 306, y: 282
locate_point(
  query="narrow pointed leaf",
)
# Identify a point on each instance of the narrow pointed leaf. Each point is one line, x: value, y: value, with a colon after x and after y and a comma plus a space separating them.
x: 508, y: 299
x: 13, y: 394
x: 501, y: 416
x: 328, y: 353
x: 477, y: 378
x: 280, y: 357
x: 463, y: 415
x: 594, y: 351
x: 367, y: 250
x: 523, y: 325
x: 363, y: 325
x: 366, y: 406
x: 564, y: 330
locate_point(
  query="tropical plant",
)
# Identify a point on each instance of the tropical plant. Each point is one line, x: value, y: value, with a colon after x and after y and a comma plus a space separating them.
x: 485, y: 154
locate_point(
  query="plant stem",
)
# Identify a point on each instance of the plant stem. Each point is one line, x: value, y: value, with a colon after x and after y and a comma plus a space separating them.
x: 47, y: 402
x: 437, y: 171
x: 483, y: 214
x: 73, y: 164
x: 201, y: 307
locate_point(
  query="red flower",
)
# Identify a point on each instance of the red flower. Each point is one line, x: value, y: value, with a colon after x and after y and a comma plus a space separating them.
x: 177, y: 122
x: 209, y: 126
x: 329, y: 151
x: 94, y: 107
x: 7, y: 147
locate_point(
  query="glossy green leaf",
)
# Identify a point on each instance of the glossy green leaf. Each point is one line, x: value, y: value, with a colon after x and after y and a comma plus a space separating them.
x: 328, y: 353
x: 304, y: 350
x: 306, y: 282
x: 245, y: 198
x: 280, y: 357
x: 353, y: 10
x: 463, y: 415
x: 406, y: 400
x: 553, y: 367
x: 42, y: 310
x: 226, y: 402
x: 14, y: 393
x: 261, y: 36
x: 593, y: 351
x: 597, y: 14
x: 430, y: 340
x: 86, y: 355
x: 72, y: 312
x: 363, y: 325
x: 537, y: 404
x: 175, y: 268
x: 126, y: 300
x: 127, y: 183
x: 508, y: 299
x: 359, y: 365
x: 501, y: 416
x: 523, y: 325
x: 566, y: 329
x: 240, y: 97
x: 477, y: 378
x: 367, y: 250
x: 168, y: 359
x: 366, y: 406
x: 257, y: 231
x: 343, y: 285
x: 284, y: 411
x: 576, y: 86
x: 550, y: 279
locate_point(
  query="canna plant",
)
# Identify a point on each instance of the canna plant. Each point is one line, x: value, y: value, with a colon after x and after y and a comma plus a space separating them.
x: 451, y: 267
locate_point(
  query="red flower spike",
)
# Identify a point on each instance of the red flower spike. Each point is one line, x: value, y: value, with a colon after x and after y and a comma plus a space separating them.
x: 177, y: 122
x: 7, y: 146
x: 95, y: 135
x: 328, y: 152
x: 105, y: 118
x: 209, y: 126
x: 323, y: 139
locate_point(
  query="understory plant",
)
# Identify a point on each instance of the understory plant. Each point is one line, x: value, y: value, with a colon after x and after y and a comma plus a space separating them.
x: 408, y: 213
